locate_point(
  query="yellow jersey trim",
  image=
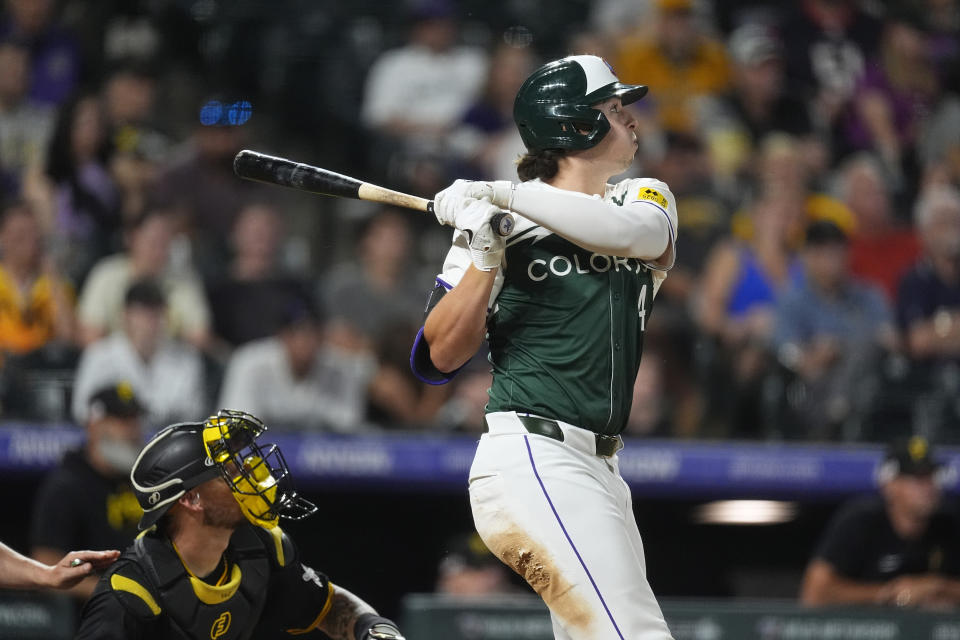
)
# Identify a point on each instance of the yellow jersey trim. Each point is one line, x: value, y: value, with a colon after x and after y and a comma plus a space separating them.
x: 277, y: 534
x: 122, y: 583
x: 208, y: 593
x: 323, y: 614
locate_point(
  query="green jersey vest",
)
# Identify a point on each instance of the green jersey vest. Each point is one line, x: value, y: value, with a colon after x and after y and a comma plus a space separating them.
x: 566, y: 332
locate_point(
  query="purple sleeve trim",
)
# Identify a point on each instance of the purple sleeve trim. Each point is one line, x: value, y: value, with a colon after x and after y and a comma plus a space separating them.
x: 421, y: 366
x: 445, y: 285
x: 673, y: 233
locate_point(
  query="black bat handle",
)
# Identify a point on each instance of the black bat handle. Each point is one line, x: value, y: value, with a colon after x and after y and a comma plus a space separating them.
x: 502, y: 223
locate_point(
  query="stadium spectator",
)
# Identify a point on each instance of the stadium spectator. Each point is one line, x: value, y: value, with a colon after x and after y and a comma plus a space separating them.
x: 680, y: 63
x: 830, y: 330
x: 128, y: 96
x: 167, y: 374
x: 36, y: 303
x: 374, y: 289
x: 248, y: 302
x: 415, y: 94
x: 138, y: 148
x: 149, y: 248
x: 616, y: 19
x: 201, y: 184
x: 464, y: 410
x: 296, y: 379
x: 901, y: 548
x: 894, y: 98
x: 469, y: 569
x: 758, y: 103
x: 827, y: 44
x: 486, y: 136
x: 87, y: 502
x: 395, y: 397
x: 75, y: 196
x: 673, y: 329
x: 939, y: 148
x: 782, y: 172
x: 648, y: 413
x: 741, y: 282
x: 928, y: 302
x: 25, y: 126
x: 135, y: 165
x: 928, y: 314
x: 686, y: 166
x: 54, y: 53
x: 881, y: 247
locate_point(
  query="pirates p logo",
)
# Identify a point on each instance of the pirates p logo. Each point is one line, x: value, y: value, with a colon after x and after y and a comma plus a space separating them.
x: 220, y: 625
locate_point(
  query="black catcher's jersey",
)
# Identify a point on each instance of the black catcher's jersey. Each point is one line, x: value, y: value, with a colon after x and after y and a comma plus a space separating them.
x: 260, y: 591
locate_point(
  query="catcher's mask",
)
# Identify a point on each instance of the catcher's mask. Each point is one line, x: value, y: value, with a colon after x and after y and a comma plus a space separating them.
x: 554, y: 106
x: 183, y: 456
x: 258, y: 476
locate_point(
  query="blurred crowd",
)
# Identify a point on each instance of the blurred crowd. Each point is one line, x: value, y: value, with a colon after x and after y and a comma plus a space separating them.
x: 813, y: 147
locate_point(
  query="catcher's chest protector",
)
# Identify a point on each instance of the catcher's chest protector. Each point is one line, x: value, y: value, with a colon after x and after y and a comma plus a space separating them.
x: 215, y: 613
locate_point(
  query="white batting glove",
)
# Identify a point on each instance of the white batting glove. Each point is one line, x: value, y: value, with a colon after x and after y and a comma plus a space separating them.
x: 499, y: 192
x: 486, y: 245
x: 449, y: 201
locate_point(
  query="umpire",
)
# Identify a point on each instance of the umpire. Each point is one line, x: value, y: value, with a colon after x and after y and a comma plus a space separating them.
x: 212, y: 561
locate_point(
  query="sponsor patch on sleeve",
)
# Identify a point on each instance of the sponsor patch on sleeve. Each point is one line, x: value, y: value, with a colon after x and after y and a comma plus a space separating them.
x: 652, y: 195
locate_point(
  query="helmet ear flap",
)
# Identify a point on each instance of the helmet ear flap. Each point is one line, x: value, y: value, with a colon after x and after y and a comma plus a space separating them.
x: 572, y: 128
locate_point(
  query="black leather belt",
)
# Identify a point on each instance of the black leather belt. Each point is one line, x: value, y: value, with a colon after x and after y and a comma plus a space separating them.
x: 606, y: 445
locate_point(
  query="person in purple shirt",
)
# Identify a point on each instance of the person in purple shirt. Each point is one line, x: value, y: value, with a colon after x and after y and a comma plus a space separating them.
x: 55, y: 54
x: 896, y: 93
x: 830, y: 331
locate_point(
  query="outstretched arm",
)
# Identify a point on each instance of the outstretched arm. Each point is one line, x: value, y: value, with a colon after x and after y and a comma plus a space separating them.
x: 20, y: 572
x: 644, y: 226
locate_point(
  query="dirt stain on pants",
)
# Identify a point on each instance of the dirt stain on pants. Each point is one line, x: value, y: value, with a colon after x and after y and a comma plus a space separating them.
x: 537, y: 567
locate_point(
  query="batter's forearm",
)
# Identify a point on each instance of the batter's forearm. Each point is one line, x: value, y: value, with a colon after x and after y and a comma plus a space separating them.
x: 456, y: 327
x: 632, y: 232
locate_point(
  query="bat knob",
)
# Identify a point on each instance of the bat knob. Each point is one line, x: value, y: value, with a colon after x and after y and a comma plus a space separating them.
x: 502, y: 223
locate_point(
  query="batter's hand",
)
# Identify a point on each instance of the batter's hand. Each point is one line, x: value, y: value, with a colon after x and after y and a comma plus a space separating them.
x: 77, y: 565
x: 486, y: 245
x: 499, y: 192
x: 449, y: 201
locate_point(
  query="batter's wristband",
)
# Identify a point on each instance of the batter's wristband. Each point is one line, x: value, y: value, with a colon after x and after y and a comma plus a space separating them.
x: 366, y: 622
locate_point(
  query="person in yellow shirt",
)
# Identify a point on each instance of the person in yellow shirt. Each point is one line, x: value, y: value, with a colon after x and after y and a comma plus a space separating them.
x: 36, y: 304
x: 677, y: 61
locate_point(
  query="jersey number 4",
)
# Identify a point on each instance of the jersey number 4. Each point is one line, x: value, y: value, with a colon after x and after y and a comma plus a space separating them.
x: 642, y: 308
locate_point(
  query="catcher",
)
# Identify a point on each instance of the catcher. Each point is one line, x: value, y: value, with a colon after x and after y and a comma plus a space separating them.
x: 212, y: 561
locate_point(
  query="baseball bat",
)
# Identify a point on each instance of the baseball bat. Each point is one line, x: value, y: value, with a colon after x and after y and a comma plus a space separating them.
x: 252, y: 165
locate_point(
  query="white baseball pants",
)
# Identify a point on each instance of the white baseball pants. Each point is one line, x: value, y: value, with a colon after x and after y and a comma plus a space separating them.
x: 562, y: 517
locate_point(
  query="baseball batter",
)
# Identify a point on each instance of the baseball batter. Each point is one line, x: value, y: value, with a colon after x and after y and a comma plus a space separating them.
x: 564, y: 302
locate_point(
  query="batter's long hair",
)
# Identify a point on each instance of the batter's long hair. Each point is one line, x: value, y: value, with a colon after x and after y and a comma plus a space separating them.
x: 539, y: 164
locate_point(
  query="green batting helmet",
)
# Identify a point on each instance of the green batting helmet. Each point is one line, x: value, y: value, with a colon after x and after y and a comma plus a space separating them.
x: 554, y: 106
